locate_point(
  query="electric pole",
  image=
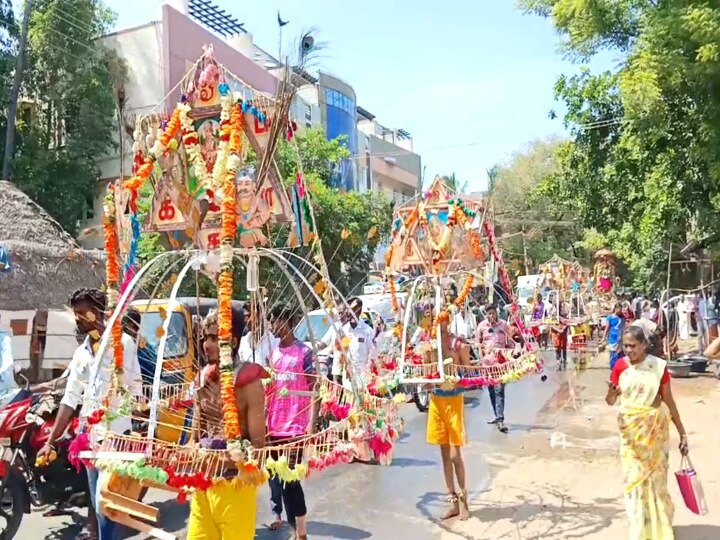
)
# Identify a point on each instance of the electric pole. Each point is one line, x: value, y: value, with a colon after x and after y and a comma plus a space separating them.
x: 15, y: 93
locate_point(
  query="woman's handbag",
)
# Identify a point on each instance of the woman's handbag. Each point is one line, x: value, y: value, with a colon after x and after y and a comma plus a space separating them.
x: 690, y: 487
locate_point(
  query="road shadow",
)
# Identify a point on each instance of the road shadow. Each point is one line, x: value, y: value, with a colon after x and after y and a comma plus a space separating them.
x: 173, y: 515
x: 697, y: 532
x: 315, y: 529
x: 432, y: 505
x: 68, y: 531
x: 562, y: 517
x: 528, y: 428
x: 173, y: 518
x: 412, y: 462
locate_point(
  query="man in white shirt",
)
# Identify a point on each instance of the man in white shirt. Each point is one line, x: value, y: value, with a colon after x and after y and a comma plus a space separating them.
x: 8, y: 387
x: 88, y: 382
x: 330, y: 339
x: 252, y: 349
x: 360, y: 346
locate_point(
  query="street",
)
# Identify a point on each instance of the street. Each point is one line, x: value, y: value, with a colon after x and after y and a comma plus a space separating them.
x: 356, y: 501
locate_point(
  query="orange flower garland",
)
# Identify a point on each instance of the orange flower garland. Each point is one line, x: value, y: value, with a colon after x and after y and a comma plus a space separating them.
x: 112, y: 273
x: 393, y: 294
x: 465, y: 291
x: 412, y: 217
x: 476, y: 245
x: 225, y: 281
x: 161, y: 144
x: 440, y: 318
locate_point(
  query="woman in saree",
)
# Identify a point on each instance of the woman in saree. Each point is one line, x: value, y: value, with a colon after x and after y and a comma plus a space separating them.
x: 642, y: 383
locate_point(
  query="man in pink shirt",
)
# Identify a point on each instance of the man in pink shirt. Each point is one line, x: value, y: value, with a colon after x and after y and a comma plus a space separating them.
x: 492, y: 334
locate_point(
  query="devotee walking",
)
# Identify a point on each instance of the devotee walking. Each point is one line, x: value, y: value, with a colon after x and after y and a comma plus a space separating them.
x: 647, y: 406
x: 493, y: 334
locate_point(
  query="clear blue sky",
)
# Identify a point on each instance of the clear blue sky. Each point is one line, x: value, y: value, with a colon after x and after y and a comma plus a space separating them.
x: 471, y: 80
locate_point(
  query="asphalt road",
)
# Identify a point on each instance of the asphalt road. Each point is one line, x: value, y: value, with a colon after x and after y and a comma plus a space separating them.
x: 356, y: 501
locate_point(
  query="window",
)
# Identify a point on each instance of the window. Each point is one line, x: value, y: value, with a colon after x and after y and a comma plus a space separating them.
x: 341, y: 101
x: 308, y: 113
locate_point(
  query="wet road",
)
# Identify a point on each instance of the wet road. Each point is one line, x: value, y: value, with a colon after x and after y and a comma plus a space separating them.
x: 356, y: 501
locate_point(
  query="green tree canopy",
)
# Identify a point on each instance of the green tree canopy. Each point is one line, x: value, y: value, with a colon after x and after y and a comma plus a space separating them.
x: 68, y: 120
x: 528, y: 220
x: 453, y: 183
x: 8, y: 38
x: 643, y: 166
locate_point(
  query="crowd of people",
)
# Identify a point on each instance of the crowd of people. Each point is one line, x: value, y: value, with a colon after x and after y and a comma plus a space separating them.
x: 635, y: 333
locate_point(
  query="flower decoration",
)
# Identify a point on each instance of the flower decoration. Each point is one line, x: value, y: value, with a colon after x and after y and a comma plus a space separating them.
x: 225, y: 280
x: 158, y: 149
x: 112, y: 274
x: 465, y: 291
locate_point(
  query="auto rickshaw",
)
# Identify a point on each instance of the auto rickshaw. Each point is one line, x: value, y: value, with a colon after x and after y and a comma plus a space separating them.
x: 183, y: 355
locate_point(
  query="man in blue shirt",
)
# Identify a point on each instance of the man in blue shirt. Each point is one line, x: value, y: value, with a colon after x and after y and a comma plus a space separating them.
x: 613, y: 333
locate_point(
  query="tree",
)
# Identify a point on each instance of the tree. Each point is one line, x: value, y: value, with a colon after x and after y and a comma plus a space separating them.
x: 453, y: 183
x: 643, y: 166
x: 70, y: 120
x: 8, y: 39
x: 319, y: 156
x: 530, y: 222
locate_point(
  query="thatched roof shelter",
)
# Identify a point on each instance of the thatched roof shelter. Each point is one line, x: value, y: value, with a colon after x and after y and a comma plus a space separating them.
x: 47, y: 265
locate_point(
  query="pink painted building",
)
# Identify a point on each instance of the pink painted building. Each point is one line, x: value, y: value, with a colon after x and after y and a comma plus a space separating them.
x: 157, y: 55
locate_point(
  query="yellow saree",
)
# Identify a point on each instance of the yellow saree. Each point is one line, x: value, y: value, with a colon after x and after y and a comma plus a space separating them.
x: 644, y: 434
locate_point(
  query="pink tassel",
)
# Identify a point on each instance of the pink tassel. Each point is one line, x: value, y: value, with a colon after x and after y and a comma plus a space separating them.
x: 129, y: 275
x: 79, y: 444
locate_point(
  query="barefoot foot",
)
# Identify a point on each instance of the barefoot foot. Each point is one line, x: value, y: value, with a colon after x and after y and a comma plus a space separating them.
x: 454, y: 509
x: 464, y: 512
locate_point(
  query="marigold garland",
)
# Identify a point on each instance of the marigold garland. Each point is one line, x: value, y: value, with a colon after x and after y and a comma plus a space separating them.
x: 465, y: 291
x: 112, y: 273
x: 476, y: 245
x: 441, y: 318
x: 161, y: 143
x: 220, y: 167
x: 393, y: 294
x: 225, y: 281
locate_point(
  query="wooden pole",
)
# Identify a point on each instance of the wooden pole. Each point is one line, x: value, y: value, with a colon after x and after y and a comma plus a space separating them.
x: 15, y: 94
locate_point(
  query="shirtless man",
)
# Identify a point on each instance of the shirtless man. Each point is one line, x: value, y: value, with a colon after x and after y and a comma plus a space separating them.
x: 446, y: 424
x: 226, y: 511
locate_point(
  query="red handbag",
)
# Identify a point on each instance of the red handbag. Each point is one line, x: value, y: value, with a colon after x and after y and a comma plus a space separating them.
x: 690, y: 487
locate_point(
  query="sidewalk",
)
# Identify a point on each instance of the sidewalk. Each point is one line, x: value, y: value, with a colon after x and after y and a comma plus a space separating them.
x: 562, y: 480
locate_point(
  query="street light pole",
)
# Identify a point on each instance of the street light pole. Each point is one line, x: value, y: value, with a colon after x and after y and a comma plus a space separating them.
x: 15, y: 93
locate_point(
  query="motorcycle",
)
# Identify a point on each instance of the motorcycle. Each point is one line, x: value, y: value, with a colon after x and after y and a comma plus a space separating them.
x: 25, y: 427
x: 421, y: 397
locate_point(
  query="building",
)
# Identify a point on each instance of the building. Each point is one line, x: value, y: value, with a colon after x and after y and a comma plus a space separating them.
x: 159, y: 54
x: 390, y: 165
x: 382, y: 159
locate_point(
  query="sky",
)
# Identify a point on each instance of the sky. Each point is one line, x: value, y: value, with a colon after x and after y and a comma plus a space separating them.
x: 471, y: 80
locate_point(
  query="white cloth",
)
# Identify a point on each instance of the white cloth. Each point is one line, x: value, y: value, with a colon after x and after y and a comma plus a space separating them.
x: 459, y: 327
x: 7, y: 364
x: 683, y: 311
x: 261, y: 352
x: 648, y: 327
x: 89, y: 381
x: 360, y: 347
x: 330, y: 339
